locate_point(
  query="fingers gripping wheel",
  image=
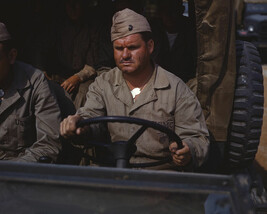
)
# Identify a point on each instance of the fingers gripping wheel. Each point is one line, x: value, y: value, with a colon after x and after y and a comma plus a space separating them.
x: 123, y: 150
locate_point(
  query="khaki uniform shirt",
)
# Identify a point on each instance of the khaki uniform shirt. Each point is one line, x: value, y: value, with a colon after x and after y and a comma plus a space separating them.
x: 29, y: 117
x: 165, y: 100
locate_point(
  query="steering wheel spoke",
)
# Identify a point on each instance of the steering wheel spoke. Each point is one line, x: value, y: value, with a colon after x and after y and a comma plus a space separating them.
x: 136, y: 135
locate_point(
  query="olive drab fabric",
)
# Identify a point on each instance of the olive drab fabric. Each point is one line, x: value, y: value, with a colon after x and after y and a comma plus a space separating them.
x: 165, y: 100
x: 239, y: 7
x: 29, y: 118
x: 216, y: 64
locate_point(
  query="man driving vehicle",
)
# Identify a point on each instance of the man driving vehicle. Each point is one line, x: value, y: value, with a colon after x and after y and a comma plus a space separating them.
x: 139, y: 88
x: 29, y: 113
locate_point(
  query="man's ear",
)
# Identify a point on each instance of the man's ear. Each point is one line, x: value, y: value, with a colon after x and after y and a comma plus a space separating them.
x: 150, y: 45
x: 12, y: 55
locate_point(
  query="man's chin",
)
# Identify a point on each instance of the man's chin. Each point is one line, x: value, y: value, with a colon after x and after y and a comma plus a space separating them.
x: 126, y: 70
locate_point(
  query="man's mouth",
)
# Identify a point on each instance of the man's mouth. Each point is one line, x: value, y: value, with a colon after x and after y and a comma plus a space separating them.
x: 126, y: 62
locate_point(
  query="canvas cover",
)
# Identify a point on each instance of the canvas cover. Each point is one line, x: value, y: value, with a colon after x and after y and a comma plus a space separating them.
x: 216, y: 63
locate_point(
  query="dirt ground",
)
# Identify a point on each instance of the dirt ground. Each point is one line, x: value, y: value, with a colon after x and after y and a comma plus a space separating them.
x: 261, y: 157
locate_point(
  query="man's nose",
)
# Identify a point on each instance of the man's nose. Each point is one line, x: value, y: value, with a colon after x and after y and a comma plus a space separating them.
x: 126, y: 53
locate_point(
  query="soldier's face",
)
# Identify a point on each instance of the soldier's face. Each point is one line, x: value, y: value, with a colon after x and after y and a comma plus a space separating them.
x: 7, y: 59
x: 132, y: 53
x: 4, y: 65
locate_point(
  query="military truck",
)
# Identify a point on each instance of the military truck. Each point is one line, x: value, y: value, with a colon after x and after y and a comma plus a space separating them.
x: 230, y: 90
x: 252, y: 22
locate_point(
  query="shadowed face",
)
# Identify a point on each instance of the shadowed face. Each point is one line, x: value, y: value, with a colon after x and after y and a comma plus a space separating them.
x: 170, y: 11
x: 132, y: 53
x: 6, y: 60
x: 4, y: 65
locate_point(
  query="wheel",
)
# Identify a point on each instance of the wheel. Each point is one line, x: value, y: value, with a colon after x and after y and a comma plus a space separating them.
x: 122, y: 150
x: 247, y: 115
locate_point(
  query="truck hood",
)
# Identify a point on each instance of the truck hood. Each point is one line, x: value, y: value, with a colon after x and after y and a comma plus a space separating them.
x: 256, y: 18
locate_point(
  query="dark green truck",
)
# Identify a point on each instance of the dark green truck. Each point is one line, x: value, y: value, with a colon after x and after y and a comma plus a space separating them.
x: 230, y: 90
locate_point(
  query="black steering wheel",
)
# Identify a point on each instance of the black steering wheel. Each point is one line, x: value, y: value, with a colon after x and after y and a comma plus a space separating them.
x: 123, y: 150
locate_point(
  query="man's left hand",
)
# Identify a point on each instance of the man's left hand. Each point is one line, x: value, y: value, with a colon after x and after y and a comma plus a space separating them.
x: 71, y: 83
x: 181, y: 157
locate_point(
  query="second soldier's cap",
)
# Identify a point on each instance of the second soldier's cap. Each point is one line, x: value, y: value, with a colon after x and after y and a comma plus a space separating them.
x: 4, y: 35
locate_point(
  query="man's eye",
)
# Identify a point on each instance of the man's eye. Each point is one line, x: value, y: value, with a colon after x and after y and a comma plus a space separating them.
x: 119, y: 48
x: 132, y: 48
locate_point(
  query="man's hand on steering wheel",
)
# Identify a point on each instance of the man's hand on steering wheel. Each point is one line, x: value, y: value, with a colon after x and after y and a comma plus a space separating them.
x: 180, y: 152
x: 68, y: 127
x: 180, y: 157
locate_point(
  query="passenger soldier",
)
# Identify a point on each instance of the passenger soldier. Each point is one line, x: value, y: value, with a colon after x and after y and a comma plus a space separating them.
x: 174, y: 40
x: 29, y: 114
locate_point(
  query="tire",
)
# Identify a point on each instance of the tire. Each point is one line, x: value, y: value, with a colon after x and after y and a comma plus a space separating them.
x: 247, y: 115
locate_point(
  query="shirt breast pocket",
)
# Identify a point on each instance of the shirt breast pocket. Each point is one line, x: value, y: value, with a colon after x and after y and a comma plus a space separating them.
x: 26, y: 130
x: 168, y: 122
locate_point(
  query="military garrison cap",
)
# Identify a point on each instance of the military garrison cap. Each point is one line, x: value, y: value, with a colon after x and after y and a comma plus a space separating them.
x: 127, y: 22
x: 4, y: 35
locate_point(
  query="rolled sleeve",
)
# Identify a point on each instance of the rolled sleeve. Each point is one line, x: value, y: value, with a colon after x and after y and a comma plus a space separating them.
x: 86, y: 73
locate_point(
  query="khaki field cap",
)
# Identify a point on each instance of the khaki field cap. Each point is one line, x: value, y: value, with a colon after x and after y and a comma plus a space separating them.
x: 127, y: 22
x: 4, y: 35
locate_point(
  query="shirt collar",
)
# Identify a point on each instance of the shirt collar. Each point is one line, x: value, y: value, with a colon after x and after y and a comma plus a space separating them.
x: 161, y: 80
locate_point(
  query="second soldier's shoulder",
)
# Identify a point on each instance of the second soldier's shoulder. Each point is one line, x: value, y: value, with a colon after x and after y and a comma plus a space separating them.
x: 32, y: 73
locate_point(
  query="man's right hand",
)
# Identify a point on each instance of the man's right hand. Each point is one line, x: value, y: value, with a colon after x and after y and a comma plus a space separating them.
x: 68, y: 127
x: 181, y: 157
